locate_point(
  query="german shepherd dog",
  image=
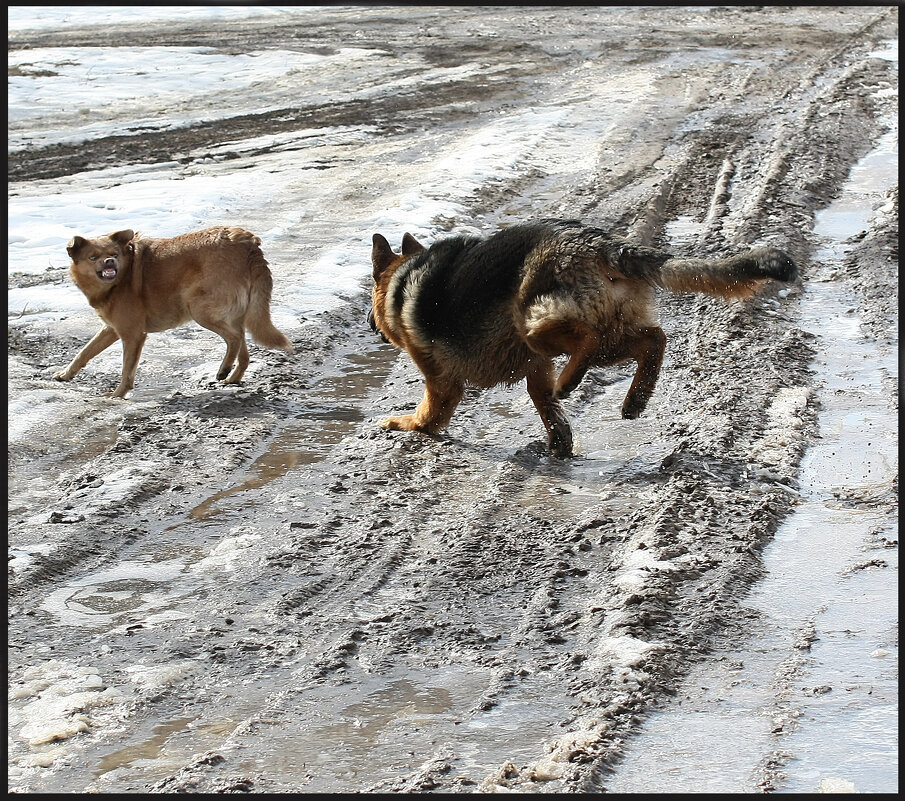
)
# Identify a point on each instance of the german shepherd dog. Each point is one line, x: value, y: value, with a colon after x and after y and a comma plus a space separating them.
x: 487, y: 311
x: 217, y: 277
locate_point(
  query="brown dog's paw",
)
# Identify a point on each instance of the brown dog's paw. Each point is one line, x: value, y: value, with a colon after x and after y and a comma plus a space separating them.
x: 63, y: 375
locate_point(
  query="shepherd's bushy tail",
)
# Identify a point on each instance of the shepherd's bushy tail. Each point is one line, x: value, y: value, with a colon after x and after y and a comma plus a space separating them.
x: 735, y: 276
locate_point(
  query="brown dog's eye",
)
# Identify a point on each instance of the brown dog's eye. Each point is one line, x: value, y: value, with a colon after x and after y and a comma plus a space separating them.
x: 93, y: 258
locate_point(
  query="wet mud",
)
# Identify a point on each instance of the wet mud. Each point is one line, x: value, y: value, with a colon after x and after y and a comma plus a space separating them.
x: 257, y: 589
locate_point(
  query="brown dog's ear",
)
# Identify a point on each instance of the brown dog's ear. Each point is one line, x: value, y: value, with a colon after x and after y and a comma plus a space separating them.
x: 381, y: 255
x: 410, y: 245
x: 75, y: 245
x: 122, y: 238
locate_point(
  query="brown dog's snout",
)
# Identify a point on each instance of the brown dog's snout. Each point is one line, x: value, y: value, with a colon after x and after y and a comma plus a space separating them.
x: 108, y: 268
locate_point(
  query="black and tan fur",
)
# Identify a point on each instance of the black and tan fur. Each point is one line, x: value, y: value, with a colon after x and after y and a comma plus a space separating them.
x: 482, y: 312
x: 217, y: 277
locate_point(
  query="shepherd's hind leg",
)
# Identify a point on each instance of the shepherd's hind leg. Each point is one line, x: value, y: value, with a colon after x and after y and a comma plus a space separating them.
x: 646, y: 346
x: 574, y: 337
x: 541, y: 383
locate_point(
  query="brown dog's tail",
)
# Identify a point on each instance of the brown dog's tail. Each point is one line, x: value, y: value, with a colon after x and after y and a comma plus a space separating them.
x: 735, y: 276
x: 257, y: 318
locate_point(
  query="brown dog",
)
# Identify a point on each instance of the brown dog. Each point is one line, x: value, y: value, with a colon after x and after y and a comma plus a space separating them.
x: 497, y: 310
x: 217, y: 277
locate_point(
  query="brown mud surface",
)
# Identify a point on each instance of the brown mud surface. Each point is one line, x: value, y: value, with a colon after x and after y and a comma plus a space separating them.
x: 323, y: 606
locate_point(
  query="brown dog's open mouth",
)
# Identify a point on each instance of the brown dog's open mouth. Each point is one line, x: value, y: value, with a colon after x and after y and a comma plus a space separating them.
x: 107, y: 272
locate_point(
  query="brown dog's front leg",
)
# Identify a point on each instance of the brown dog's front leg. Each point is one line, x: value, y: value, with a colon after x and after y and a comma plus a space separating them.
x: 102, y: 340
x: 647, y: 347
x: 434, y: 412
x: 131, y: 354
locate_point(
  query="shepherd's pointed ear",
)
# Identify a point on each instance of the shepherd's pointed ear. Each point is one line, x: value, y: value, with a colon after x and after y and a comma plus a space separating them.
x: 75, y: 245
x: 410, y: 245
x: 381, y: 255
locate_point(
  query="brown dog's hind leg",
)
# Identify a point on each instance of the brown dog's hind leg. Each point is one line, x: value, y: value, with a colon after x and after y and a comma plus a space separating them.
x: 646, y: 346
x: 541, y: 389
x: 242, y: 361
x: 435, y: 410
x: 236, y: 348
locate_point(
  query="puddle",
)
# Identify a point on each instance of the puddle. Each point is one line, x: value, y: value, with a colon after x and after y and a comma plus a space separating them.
x: 309, y: 437
x: 890, y: 52
x: 362, y: 731
x: 825, y: 712
x: 151, y: 749
x: 848, y: 696
x: 101, y: 599
x: 865, y: 191
x: 305, y: 441
x: 141, y: 592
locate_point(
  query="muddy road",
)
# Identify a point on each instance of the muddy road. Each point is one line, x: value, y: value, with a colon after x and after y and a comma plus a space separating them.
x: 255, y: 588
